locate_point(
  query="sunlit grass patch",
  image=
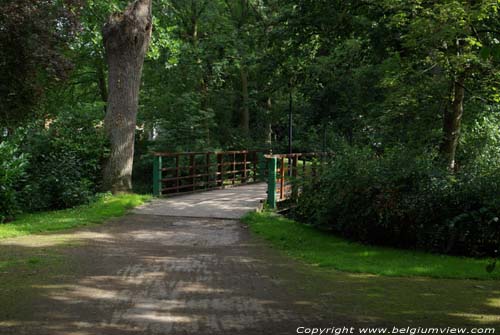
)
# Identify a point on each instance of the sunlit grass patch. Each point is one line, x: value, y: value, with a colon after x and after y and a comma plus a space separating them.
x: 326, y: 250
x: 102, y: 209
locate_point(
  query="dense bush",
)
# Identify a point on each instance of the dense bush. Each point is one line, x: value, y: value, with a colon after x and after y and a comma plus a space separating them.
x: 57, y: 179
x: 64, y: 166
x: 12, y: 167
x: 142, y: 176
x: 404, y: 200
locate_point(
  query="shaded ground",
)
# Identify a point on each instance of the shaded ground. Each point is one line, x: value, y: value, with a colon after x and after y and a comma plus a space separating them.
x: 155, y: 274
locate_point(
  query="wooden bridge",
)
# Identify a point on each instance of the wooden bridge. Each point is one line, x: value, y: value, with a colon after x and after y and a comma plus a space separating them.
x: 181, y: 173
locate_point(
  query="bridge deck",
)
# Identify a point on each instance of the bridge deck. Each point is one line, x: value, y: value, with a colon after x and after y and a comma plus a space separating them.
x: 230, y: 203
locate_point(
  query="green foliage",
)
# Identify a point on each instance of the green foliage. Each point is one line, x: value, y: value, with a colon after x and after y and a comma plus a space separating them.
x: 321, y: 248
x: 33, y: 36
x: 400, y: 198
x: 56, y: 179
x: 12, y: 170
x: 142, y: 175
x: 64, y: 162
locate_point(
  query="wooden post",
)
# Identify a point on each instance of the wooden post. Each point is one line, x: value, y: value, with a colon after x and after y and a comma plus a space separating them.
x: 255, y: 161
x: 295, y: 181
x: 192, y: 170
x: 282, y: 178
x: 220, y: 170
x: 157, y: 172
x: 271, y: 182
x: 177, y: 173
x: 244, y: 180
x: 234, y: 168
x: 207, y: 170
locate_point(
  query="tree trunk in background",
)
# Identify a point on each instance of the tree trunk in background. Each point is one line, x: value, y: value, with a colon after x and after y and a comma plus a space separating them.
x: 269, y: 137
x: 452, y: 121
x: 126, y: 39
x: 244, y: 113
x: 196, y: 12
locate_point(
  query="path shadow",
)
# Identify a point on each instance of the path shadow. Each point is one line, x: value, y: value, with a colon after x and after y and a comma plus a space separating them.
x: 147, y: 274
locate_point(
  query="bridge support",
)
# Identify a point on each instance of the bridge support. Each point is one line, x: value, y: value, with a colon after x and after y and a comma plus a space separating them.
x: 271, y: 181
x: 157, y: 175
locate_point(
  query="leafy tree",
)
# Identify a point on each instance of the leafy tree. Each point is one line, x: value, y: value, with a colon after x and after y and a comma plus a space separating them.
x: 34, y: 37
x: 444, y: 41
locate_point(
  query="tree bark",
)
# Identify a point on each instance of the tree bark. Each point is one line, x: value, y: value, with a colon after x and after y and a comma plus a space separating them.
x: 452, y: 120
x: 126, y: 39
x: 269, y: 137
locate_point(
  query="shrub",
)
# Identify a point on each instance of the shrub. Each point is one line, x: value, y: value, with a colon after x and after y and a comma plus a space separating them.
x: 143, y: 167
x: 64, y: 167
x: 56, y: 180
x: 12, y: 169
x: 406, y: 200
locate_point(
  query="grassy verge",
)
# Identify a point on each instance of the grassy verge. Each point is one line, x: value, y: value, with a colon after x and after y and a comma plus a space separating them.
x: 325, y: 250
x: 97, y: 212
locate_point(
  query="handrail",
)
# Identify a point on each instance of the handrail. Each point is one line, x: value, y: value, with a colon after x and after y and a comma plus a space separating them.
x: 173, y: 154
x: 300, y: 154
x: 286, y: 176
x: 181, y: 172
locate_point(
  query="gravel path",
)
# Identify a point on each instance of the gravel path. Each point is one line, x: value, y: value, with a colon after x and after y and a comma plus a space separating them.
x: 153, y: 273
x: 187, y: 266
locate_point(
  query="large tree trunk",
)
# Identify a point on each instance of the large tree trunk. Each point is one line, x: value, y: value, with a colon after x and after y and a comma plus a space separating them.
x: 126, y: 39
x: 452, y: 121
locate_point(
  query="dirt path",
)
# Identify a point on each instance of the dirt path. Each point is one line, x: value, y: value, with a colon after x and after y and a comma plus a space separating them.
x: 149, y: 274
x: 160, y: 274
x: 170, y: 268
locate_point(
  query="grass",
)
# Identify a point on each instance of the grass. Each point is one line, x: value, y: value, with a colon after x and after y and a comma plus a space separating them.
x: 97, y: 212
x: 326, y: 250
x: 32, y: 262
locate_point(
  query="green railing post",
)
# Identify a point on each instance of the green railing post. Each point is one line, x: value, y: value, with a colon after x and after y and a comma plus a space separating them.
x: 271, y: 182
x: 157, y: 169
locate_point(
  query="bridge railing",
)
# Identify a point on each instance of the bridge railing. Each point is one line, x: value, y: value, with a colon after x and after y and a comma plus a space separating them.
x: 286, y: 174
x: 181, y: 172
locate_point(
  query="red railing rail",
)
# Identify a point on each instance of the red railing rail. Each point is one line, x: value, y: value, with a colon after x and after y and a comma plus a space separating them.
x: 181, y: 172
x: 287, y: 173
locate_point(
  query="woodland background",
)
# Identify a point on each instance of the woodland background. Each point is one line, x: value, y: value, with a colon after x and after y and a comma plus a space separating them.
x: 404, y: 92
